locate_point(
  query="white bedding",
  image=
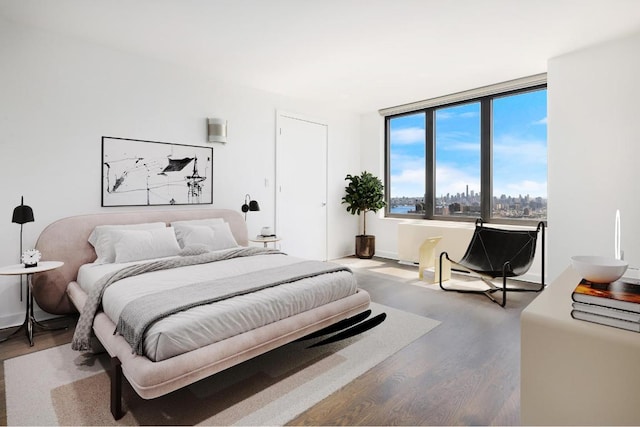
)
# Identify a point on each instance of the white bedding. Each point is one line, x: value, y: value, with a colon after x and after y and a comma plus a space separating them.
x: 199, y: 326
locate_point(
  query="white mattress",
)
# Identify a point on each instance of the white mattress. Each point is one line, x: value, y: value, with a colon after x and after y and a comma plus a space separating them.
x: 199, y: 326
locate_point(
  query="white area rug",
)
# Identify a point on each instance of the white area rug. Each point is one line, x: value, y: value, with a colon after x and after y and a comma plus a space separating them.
x: 61, y: 387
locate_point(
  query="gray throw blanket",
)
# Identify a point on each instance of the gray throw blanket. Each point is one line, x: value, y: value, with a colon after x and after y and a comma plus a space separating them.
x: 138, y: 315
x: 82, y: 335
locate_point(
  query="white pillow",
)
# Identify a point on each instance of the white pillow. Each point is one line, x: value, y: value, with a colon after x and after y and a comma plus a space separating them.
x: 101, y: 241
x: 223, y: 237
x: 136, y: 245
x: 179, y: 226
x: 216, y: 237
x: 194, y: 235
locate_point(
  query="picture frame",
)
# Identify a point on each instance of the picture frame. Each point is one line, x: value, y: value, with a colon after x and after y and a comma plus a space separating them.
x: 151, y: 173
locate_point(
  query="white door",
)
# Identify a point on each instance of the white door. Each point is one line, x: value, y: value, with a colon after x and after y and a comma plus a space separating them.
x: 301, y: 186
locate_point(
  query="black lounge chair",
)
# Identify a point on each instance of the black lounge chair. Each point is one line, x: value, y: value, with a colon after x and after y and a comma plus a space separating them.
x: 495, y: 252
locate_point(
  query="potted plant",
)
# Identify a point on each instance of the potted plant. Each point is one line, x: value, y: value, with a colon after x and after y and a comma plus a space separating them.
x: 365, y: 193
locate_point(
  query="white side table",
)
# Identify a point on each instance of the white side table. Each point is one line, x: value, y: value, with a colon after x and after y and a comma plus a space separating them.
x: 29, y: 320
x: 265, y: 240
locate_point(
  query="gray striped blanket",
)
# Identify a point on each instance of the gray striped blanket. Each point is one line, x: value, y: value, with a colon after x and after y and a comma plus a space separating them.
x: 138, y: 315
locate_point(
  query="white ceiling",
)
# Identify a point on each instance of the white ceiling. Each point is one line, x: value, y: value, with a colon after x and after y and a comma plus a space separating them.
x: 361, y: 55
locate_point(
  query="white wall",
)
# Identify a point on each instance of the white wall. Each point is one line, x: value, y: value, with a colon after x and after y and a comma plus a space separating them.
x: 594, y: 151
x: 61, y: 95
x: 372, y: 160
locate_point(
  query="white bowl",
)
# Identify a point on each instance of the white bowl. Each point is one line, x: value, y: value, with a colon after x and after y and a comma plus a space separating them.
x: 599, y: 269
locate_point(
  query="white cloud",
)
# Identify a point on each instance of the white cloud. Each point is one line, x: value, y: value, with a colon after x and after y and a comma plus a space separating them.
x: 520, y: 167
x: 454, y: 180
x: 461, y: 146
x: 412, y: 135
x: 520, y: 150
x: 449, y: 114
x: 409, y: 179
x: 409, y: 176
x: 409, y: 183
x: 542, y: 121
x: 406, y: 162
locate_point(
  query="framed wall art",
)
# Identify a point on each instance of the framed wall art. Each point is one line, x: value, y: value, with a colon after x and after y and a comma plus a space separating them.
x: 150, y: 173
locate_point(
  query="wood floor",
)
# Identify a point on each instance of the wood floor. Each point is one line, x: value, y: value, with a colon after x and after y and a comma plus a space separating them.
x: 466, y: 371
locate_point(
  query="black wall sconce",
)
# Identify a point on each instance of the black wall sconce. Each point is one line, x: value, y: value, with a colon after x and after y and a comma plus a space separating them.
x: 249, y: 205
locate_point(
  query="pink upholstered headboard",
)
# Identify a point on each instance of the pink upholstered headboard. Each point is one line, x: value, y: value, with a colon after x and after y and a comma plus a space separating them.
x: 66, y: 240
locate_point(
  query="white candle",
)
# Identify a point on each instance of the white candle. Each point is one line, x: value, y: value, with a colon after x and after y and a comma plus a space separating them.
x: 616, y: 236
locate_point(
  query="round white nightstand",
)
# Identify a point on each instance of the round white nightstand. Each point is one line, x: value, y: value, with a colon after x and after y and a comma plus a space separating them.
x: 265, y: 240
x: 29, y: 320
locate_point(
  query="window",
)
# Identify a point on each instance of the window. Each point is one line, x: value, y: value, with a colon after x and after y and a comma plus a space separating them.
x: 476, y: 157
x: 406, y: 162
x: 520, y: 156
x: 457, y: 145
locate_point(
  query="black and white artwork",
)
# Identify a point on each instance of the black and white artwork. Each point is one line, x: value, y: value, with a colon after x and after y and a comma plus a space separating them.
x: 149, y: 173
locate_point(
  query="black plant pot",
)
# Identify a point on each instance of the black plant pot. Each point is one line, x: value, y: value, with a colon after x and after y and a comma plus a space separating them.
x: 365, y: 246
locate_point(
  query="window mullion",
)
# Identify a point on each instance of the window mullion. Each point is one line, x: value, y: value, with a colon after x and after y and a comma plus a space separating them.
x: 387, y: 163
x: 430, y: 176
x: 486, y: 158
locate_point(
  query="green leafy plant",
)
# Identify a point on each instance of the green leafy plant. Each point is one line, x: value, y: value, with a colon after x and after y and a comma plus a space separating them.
x: 365, y: 193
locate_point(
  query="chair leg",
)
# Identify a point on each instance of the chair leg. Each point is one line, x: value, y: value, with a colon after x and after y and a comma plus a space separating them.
x: 442, y: 268
x: 506, y: 266
x: 486, y: 293
x: 541, y: 227
x: 489, y: 295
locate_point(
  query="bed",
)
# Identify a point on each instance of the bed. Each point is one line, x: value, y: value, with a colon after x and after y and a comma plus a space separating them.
x: 176, y: 365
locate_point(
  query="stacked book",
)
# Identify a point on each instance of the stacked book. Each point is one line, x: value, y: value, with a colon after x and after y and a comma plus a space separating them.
x: 614, y: 304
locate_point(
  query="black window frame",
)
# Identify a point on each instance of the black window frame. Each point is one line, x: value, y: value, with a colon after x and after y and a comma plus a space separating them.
x: 486, y: 160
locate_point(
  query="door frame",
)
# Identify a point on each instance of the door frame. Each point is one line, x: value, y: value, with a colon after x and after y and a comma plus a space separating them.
x: 285, y: 114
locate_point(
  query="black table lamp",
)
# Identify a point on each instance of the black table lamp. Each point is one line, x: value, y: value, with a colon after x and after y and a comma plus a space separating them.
x: 249, y: 205
x: 21, y: 215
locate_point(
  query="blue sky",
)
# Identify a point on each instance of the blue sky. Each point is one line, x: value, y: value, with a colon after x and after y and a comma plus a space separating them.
x: 519, y: 148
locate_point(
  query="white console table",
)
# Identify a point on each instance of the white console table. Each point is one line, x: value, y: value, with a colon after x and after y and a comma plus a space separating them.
x: 575, y: 372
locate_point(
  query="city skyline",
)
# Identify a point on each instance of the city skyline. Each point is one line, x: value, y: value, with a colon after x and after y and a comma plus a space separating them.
x: 468, y: 204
